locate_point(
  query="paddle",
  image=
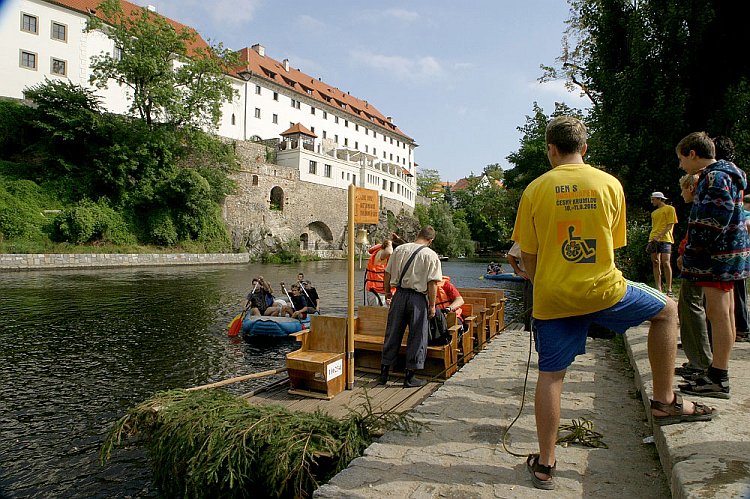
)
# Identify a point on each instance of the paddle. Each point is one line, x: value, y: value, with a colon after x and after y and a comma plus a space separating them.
x: 291, y: 302
x: 236, y: 325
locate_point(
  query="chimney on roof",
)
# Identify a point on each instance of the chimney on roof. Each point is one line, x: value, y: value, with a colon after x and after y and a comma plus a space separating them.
x: 389, y: 118
x: 286, y: 64
x: 260, y: 49
x: 151, y: 8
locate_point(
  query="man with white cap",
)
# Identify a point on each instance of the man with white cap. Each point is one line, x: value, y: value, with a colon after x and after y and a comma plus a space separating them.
x: 660, y: 241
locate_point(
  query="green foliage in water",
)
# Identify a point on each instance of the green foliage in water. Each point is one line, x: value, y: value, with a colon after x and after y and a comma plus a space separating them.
x: 214, y: 444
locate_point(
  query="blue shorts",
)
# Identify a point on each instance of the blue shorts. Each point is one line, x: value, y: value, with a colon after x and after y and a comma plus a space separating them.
x: 558, y: 341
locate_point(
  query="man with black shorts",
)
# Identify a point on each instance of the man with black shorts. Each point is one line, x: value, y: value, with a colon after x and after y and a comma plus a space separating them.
x: 569, y: 222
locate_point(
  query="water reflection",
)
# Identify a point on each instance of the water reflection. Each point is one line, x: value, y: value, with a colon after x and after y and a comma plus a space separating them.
x: 78, y: 348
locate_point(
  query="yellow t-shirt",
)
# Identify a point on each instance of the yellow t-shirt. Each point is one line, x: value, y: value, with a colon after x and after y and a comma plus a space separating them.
x: 660, y: 218
x: 572, y: 218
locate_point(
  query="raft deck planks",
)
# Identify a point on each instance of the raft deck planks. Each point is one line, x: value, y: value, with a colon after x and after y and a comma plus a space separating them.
x: 383, y: 398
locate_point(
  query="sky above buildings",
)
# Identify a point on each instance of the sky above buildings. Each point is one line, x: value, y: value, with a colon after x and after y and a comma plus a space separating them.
x: 457, y: 77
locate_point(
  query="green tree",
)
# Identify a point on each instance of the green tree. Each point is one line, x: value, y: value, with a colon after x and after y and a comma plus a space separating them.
x: 488, y: 210
x: 172, y: 76
x: 428, y: 184
x: 530, y: 161
x: 656, y: 71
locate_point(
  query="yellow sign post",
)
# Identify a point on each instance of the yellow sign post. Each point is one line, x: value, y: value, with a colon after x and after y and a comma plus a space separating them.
x: 363, y: 209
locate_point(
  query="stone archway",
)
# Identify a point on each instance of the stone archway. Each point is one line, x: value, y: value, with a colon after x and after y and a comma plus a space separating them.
x: 319, y: 236
x: 304, y: 242
x: 277, y: 198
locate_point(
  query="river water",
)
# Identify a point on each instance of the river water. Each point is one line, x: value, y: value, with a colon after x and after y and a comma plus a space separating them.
x: 80, y: 347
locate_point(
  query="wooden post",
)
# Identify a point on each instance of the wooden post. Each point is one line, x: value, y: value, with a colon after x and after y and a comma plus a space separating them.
x: 350, y: 294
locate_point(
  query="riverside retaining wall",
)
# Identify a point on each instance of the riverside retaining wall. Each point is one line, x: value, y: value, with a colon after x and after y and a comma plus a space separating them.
x: 91, y: 260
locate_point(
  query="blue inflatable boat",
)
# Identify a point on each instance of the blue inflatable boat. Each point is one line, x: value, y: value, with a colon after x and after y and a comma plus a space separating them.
x: 263, y: 326
x: 504, y: 276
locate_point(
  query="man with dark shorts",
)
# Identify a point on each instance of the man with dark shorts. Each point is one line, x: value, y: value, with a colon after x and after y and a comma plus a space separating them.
x: 569, y: 222
x: 660, y: 240
x: 416, y: 271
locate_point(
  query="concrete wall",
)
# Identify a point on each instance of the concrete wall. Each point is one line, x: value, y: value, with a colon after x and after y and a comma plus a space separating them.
x: 71, y: 261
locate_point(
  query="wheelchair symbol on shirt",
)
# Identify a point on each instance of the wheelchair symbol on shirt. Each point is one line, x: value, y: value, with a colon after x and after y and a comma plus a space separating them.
x: 578, y: 250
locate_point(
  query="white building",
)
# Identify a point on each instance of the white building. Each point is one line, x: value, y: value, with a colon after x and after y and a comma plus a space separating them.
x: 332, y: 137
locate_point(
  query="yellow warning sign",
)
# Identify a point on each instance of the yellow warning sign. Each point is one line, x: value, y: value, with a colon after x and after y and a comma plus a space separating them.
x: 366, y: 206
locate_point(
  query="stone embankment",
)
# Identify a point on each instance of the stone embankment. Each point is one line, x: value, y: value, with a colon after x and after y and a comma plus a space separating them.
x: 100, y: 260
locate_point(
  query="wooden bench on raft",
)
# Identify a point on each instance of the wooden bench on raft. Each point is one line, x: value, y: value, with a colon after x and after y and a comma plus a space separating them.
x: 467, y: 341
x: 495, y: 305
x: 317, y: 369
x: 369, y: 335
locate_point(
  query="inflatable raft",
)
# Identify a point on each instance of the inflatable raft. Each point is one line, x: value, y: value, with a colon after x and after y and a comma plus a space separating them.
x: 257, y: 326
x: 504, y: 276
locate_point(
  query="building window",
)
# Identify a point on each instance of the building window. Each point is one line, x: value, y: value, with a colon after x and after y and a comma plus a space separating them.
x: 325, y: 115
x: 117, y: 53
x: 327, y: 171
x: 356, y: 127
x: 257, y: 112
x: 374, y: 134
x: 336, y: 138
x: 313, y: 167
x: 312, y: 129
x: 325, y: 134
x: 356, y: 144
x: 385, y: 184
x: 348, y: 176
x: 391, y: 140
x: 367, y: 131
x: 295, y: 104
x: 275, y: 96
x: 336, y: 119
x: 28, y: 60
x: 234, y: 120
x: 391, y: 158
x: 346, y: 123
x: 255, y: 180
x: 29, y: 23
x: 257, y: 89
x: 354, y: 179
x: 58, y: 67
x: 312, y: 110
x: 375, y: 151
x: 342, y: 175
x: 59, y: 32
x: 275, y: 118
x: 346, y: 141
x: 367, y: 148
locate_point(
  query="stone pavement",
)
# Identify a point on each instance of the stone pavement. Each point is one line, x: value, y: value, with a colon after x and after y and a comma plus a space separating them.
x: 461, y: 455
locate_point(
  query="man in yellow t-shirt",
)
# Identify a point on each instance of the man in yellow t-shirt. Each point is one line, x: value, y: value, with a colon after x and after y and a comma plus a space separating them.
x: 660, y: 240
x: 569, y: 222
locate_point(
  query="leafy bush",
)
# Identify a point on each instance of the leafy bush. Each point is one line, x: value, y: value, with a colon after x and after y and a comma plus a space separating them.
x: 632, y: 260
x: 89, y: 222
x: 161, y: 228
x: 21, y: 204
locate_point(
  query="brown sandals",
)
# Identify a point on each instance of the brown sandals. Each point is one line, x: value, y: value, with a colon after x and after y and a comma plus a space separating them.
x: 701, y: 412
x: 532, y: 464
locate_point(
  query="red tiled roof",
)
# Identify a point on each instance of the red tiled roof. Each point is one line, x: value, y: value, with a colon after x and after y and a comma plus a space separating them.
x: 460, y: 185
x: 298, y: 128
x: 304, y: 84
x: 90, y: 7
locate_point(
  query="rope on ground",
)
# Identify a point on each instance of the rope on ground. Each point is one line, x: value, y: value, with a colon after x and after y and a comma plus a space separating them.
x: 581, y: 431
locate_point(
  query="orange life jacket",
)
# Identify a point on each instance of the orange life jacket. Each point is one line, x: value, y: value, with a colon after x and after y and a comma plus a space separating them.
x: 375, y: 272
x: 442, y: 300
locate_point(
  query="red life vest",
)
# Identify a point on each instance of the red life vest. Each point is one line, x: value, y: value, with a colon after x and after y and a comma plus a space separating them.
x: 442, y: 300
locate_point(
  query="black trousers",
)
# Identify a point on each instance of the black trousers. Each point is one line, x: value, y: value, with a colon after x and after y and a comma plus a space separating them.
x: 408, y: 308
